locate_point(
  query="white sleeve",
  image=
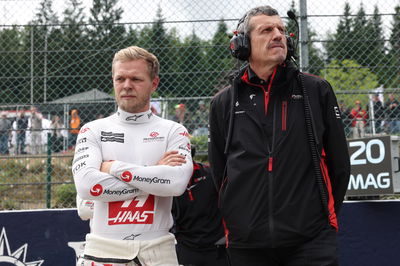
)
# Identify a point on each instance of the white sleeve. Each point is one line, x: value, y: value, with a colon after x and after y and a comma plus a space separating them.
x: 160, y: 180
x: 90, y: 182
x: 84, y: 208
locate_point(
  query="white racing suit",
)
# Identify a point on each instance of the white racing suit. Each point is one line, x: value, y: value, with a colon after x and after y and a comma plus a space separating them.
x: 132, y: 204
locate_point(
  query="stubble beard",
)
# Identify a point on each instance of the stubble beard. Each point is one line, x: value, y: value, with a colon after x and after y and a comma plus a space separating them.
x: 133, y: 106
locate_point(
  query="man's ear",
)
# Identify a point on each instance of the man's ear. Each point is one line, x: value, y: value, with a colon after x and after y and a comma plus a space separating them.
x: 156, y: 81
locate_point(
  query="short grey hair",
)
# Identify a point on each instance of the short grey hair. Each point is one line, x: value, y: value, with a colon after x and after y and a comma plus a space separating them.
x: 244, y: 25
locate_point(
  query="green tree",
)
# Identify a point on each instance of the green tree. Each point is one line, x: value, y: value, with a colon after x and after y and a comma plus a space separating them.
x: 190, y: 64
x: 163, y: 44
x: 106, y: 36
x: 394, y: 52
x: 14, y: 81
x: 375, y: 56
x: 42, y: 37
x: 359, y: 38
x: 348, y: 75
x: 219, y: 61
x: 314, y: 54
x: 72, y: 53
x: 339, y: 44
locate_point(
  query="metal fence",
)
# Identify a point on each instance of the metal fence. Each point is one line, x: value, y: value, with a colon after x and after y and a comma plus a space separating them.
x: 55, y: 57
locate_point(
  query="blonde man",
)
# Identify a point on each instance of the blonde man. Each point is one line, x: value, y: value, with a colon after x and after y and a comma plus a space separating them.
x: 131, y: 164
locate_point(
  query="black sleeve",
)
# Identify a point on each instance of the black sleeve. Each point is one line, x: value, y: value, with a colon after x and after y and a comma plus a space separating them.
x: 216, y: 141
x: 335, y: 146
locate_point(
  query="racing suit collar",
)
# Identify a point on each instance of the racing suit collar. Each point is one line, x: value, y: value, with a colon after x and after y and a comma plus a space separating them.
x: 136, y: 118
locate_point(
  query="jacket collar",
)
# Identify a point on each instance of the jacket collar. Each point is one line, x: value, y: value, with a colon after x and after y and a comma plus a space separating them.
x: 136, y: 118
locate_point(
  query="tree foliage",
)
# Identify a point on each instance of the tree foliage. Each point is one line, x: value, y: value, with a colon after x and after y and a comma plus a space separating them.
x: 361, y: 38
x: 56, y: 57
x: 348, y: 75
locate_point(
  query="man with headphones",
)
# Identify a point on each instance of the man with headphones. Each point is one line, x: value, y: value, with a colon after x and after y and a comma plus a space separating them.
x: 278, y: 153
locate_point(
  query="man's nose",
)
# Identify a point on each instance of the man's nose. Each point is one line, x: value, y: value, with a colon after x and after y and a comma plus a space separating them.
x: 128, y: 84
x: 277, y: 34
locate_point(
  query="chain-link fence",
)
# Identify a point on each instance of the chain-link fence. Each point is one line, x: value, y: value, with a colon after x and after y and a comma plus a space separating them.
x: 55, y: 72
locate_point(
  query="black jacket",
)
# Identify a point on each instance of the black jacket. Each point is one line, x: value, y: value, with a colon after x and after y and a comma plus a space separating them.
x: 198, y: 222
x: 261, y: 158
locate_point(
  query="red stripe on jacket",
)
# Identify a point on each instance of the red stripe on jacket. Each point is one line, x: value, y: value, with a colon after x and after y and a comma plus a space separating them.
x: 331, y: 200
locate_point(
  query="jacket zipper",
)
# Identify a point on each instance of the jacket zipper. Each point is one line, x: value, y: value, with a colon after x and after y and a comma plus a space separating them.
x: 271, y: 180
x: 284, y: 115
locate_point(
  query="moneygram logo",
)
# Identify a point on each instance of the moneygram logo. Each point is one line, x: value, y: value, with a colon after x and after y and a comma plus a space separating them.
x: 96, y: 190
x: 126, y: 176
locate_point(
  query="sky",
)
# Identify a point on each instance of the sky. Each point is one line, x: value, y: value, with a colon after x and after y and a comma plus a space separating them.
x: 323, y: 13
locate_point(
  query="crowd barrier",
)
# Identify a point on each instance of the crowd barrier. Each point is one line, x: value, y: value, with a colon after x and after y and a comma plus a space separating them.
x: 369, y: 235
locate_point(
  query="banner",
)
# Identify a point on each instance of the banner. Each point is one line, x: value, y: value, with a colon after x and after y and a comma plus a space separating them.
x: 368, y: 235
x: 41, y: 237
x: 372, y: 170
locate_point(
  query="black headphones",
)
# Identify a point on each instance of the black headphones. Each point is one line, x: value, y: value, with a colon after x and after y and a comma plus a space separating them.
x: 240, y: 44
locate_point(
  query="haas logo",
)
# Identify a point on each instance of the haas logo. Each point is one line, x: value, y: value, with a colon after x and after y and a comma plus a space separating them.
x: 83, y: 130
x: 96, y: 190
x: 139, y: 210
x: 126, y: 176
x: 154, y: 134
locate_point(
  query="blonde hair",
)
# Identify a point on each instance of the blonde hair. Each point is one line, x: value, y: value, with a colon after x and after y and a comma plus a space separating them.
x: 135, y: 53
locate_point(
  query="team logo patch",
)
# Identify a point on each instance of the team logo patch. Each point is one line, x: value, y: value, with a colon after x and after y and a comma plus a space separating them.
x: 126, y: 176
x: 337, y: 112
x: 297, y: 96
x: 96, y: 190
x: 83, y: 130
x: 82, y: 140
x: 112, y: 137
x: 80, y: 158
x: 153, y: 137
x: 81, y: 149
x: 133, y: 117
x: 139, y: 210
x: 186, y: 147
x: 185, y: 134
x: 154, y: 134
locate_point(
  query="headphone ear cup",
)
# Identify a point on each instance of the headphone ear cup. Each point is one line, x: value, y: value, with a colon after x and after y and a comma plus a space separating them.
x: 291, y: 52
x: 240, y: 46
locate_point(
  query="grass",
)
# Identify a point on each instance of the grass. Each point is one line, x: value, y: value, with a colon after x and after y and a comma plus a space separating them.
x: 23, y: 182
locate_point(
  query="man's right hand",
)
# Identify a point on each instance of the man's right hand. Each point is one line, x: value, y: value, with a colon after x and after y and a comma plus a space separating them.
x: 172, y: 158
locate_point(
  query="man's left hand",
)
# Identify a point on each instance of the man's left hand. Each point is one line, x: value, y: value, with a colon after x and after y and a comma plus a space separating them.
x: 106, y: 166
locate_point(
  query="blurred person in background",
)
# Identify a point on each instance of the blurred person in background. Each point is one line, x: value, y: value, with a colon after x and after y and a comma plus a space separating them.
x: 359, y: 119
x: 21, y: 125
x: 346, y: 117
x: 200, y: 117
x: 5, y: 132
x: 198, y: 221
x: 35, y: 128
x: 182, y: 116
x: 56, y: 128
x: 74, y: 126
x: 379, y: 113
x: 131, y: 164
x: 393, y: 114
